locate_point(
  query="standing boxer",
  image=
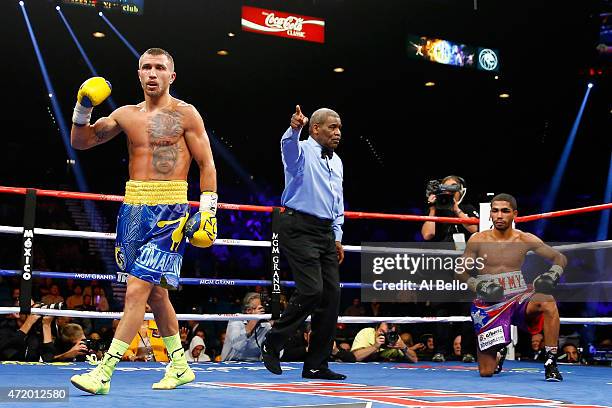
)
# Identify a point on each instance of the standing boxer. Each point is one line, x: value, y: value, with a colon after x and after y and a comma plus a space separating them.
x: 164, y: 134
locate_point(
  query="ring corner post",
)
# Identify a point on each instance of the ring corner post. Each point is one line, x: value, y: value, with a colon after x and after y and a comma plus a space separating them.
x: 275, y: 265
x: 27, y: 258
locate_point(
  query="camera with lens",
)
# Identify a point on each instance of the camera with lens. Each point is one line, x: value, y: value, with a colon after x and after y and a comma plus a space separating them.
x: 92, y: 345
x: 391, y: 337
x: 444, y: 194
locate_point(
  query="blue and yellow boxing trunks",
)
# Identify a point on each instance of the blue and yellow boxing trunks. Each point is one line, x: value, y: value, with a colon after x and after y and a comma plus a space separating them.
x: 150, y: 224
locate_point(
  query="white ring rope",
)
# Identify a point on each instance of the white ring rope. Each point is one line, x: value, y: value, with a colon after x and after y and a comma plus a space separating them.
x: 241, y: 316
x: 250, y: 243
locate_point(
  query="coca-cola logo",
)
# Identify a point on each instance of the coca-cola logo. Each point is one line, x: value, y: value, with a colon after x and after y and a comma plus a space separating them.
x: 290, y: 23
x: 281, y: 24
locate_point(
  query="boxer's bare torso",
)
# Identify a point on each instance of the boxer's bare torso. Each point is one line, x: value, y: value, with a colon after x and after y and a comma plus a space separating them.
x: 156, y: 140
x: 505, y: 254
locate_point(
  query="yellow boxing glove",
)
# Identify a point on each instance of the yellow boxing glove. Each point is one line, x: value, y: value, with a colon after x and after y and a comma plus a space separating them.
x: 92, y: 93
x: 201, y: 227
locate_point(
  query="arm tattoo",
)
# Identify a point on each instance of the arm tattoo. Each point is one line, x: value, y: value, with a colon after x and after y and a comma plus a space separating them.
x: 102, y: 135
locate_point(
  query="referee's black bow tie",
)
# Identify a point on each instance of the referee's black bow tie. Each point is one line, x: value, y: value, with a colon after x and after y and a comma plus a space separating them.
x: 326, y: 152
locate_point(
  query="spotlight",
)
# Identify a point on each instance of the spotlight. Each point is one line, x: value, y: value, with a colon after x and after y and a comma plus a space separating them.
x: 496, y: 77
x: 590, y: 85
x: 430, y: 83
x: 99, y: 34
x: 100, y: 14
x: 50, y: 95
x: 222, y: 52
x: 21, y: 3
x: 338, y: 69
x: 504, y: 95
x: 57, y: 8
x: 231, y: 34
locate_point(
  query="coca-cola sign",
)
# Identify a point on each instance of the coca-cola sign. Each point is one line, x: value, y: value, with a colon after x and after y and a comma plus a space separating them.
x: 278, y: 23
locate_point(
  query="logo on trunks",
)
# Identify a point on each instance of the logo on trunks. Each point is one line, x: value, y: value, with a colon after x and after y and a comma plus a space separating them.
x: 512, y: 282
x: 122, y: 277
x: 491, y: 338
x: 151, y: 257
x: 120, y: 258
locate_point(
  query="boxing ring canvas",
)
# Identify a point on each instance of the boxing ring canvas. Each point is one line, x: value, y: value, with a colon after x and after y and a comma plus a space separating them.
x: 422, y: 384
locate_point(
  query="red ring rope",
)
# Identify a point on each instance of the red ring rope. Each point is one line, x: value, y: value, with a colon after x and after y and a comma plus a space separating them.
x: 347, y: 214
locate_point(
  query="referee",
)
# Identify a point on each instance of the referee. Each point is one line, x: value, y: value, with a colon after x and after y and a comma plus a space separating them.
x: 310, y: 237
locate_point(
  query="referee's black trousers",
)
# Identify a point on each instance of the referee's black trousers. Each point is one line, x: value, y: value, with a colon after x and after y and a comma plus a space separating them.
x: 308, y: 243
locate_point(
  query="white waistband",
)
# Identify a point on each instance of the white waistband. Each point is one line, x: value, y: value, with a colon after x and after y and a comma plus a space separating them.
x: 513, y: 282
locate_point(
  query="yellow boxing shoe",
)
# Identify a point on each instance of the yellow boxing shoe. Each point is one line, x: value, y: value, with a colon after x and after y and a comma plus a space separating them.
x: 97, y: 381
x: 174, y: 377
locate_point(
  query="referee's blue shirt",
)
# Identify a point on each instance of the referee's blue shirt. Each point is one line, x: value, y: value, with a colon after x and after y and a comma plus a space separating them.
x: 313, y: 185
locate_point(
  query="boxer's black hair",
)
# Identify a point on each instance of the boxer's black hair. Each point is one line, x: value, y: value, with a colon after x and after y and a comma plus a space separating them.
x: 505, y: 197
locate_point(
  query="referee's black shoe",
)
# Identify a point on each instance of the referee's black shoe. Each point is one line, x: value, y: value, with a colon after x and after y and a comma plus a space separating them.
x: 322, y: 374
x: 271, y: 359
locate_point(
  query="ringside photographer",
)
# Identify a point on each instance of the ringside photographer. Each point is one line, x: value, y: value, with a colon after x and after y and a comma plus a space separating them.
x: 447, y: 198
x: 382, y: 343
x: 243, y: 338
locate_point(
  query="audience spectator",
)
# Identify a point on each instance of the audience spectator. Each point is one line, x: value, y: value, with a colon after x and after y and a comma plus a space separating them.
x: 372, y: 344
x: 15, y: 293
x: 68, y: 345
x: 355, y: 309
x: 44, y: 287
x: 184, y: 334
x: 536, y: 352
x: 456, y: 354
x: 54, y: 295
x: 76, y: 299
x: 147, y: 345
x: 99, y: 300
x: 89, y: 290
x: 196, y: 350
x: 427, y: 352
x: 243, y: 338
x: 569, y: 354
x: 20, y: 341
x: 375, y: 309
